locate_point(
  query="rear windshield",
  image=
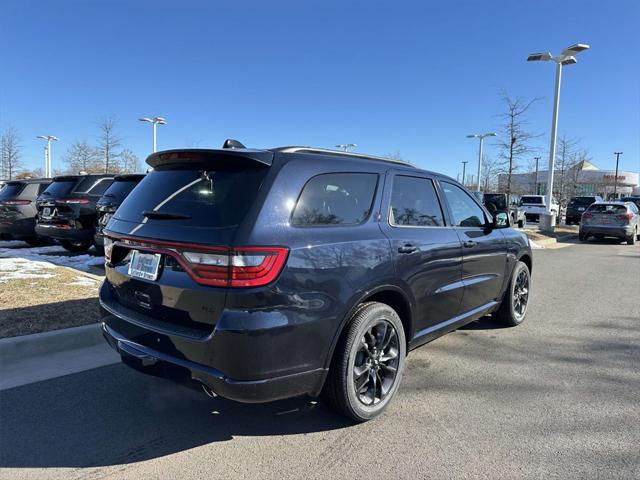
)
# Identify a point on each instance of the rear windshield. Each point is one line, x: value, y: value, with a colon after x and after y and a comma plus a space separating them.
x: 120, y: 189
x: 59, y: 188
x: 499, y: 201
x: 602, y: 208
x: 536, y: 200
x: 199, y: 198
x: 11, y: 190
x: 582, y: 201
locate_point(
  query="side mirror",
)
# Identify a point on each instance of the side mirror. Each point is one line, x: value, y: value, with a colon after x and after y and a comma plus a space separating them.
x: 501, y: 219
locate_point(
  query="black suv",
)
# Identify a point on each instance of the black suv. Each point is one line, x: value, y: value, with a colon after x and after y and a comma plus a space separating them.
x: 67, y: 209
x: 18, y: 209
x: 266, y: 274
x: 110, y: 201
x: 577, y: 206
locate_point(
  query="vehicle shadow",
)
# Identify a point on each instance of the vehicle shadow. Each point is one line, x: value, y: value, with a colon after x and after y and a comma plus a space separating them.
x: 484, y: 323
x: 114, y: 415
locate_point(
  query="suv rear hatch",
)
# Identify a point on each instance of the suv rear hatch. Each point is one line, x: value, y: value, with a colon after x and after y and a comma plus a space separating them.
x: 10, y: 201
x: 607, y: 215
x: 50, y: 209
x: 169, y: 246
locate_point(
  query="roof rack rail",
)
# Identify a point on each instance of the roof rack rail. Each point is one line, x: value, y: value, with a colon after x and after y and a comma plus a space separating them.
x: 339, y: 153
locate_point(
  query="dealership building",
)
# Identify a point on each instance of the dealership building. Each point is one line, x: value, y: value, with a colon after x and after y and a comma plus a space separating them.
x: 584, y: 178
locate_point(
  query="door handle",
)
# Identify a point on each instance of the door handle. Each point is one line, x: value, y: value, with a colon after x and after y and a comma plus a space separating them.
x: 469, y: 244
x: 407, y: 248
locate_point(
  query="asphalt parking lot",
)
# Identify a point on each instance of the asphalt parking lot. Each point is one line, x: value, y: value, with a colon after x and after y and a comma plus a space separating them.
x: 558, y: 397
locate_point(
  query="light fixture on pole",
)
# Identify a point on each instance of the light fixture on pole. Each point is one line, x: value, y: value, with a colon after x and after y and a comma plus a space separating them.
x: 464, y: 170
x: 47, y: 155
x: 615, y: 185
x: 155, y: 121
x: 346, y: 146
x: 566, y: 57
x: 481, y: 136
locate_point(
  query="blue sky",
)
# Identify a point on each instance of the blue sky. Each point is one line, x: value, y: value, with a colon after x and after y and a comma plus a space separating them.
x: 413, y: 77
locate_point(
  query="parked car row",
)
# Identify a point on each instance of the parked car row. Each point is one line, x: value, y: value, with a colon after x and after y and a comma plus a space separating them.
x: 70, y: 209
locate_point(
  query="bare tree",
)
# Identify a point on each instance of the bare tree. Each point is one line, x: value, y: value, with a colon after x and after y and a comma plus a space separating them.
x: 565, y: 158
x: 10, y: 148
x: 397, y: 156
x: 109, y: 144
x: 491, y: 168
x: 514, y: 142
x: 129, y: 162
x: 81, y: 156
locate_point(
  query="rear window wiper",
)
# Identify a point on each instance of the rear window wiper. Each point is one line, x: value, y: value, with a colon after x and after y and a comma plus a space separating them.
x: 110, y: 195
x: 165, y: 215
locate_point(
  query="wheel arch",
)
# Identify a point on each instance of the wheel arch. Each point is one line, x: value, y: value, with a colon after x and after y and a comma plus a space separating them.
x: 527, y: 260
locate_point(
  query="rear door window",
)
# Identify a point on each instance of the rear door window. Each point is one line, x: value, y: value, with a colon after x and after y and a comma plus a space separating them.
x: 199, y: 198
x: 335, y: 199
x: 414, y: 203
x: 100, y: 187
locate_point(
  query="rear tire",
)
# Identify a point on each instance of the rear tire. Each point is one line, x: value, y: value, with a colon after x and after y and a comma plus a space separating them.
x: 631, y: 239
x: 521, y: 223
x: 368, y: 363
x: 583, y: 237
x: 75, y: 245
x: 513, y: 309
x: 99, y: 249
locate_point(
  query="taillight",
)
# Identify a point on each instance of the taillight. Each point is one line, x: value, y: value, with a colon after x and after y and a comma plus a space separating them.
x: 73, y: 201
x: 15, y: 202
x: 237, y: 267
x: 625, y: 216
x: 587, y: 215
x: 108, y: 248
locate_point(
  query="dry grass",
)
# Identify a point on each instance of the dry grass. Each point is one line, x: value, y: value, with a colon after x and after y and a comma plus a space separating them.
x: 32, y: 305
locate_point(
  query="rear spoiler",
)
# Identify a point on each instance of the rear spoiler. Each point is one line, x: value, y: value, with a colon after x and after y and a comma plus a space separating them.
x: 237, y: 156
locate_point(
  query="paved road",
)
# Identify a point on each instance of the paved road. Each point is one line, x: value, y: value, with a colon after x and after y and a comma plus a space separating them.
x: 558, y: 397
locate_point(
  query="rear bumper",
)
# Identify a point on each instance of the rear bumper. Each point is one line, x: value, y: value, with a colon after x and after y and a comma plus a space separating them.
x: 61, y: 233
x: 153, y: 362
x: 613, y: 231
x: 18, y: 228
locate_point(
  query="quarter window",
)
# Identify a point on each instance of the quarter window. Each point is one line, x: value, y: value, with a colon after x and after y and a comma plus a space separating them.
x: 335, y: 199
x: 464, y: 210
x: 414, y: 203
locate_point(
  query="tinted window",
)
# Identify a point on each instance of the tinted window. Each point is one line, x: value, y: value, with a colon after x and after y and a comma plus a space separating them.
x: 465, y: 211
x: 11, y: 190
x: 59, y: 188
x: 604, y: 208
x: 582, y: 201
x: 414, y: 203
x: 199, y: 198
x: 496, y: 202
x: 100, y: 187
x: 532, y: 200
x: 119, y: 189
x: 335, y: 199
x: 42, y: 187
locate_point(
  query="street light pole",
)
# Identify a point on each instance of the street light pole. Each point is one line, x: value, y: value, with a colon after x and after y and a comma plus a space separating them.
x: 155, y: 121
x: 47, y: 156
x: 615, y: 185
x: 481, y: 136
x: 566, y: 57
x: 537, y: 159
x: 464, y: 170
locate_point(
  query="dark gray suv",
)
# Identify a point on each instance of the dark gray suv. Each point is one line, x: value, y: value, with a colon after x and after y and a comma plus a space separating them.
x: 266, y: 274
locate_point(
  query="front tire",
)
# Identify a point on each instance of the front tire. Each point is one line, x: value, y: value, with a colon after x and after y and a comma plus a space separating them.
x: 513, y: 309
x: 368, y: 363
x: 521, y: 223
x: 75, y: 245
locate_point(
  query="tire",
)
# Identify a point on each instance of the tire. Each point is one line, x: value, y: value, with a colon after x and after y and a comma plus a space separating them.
x: 99, y: 249
x: 583, y: 237
x: 631, y: 239
x: 521, y: 223
x: 372, y: 325
x: 510, y: 312
x: 75, y: 245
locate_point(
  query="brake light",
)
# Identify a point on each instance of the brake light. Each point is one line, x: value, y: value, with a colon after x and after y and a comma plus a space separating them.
x: 240, y: 267
x: 587, y: 215
x: 73, y: 201
x: 625, y: 216
x: 237, y: 267
x: 15, y: 202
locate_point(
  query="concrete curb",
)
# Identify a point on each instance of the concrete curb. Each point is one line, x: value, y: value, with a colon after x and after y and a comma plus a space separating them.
x: 549, y: 242
x: 14, y: 349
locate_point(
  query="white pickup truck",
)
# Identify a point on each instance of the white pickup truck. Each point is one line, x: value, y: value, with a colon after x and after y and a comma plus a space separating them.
x: 536, y: 205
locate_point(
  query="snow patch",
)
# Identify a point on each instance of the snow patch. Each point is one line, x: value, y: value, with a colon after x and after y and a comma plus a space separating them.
x: 535, y: 246
x: 19, y: 268
x: 48, y: 254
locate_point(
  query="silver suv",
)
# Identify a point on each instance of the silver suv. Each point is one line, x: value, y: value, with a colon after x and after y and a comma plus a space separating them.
x: 611, y: 219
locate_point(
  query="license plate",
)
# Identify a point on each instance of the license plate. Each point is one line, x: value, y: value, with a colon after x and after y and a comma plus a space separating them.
x: 605, y: 220
x: 144, y: 265
x: 581, y: 209
x: 46, y: 212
